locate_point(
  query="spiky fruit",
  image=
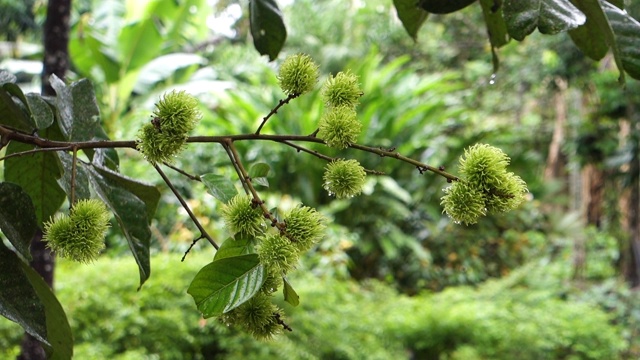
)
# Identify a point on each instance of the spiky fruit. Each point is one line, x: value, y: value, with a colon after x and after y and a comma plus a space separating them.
x: 305, y: 225
x: 80, y: 235
x: 277, y: 253
x: 341, y: 90
x: 344, y: 178
x: 298, y: 74
x: 339, y: 127
x: 175, y: 116
x: 242, y: 216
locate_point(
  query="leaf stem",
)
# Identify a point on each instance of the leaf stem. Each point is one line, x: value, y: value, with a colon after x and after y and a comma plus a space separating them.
x: 273, y: 111
x: 203, y: 232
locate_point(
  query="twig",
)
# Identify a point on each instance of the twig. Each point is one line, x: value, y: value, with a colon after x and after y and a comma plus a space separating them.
x: 273, y: 111
x: 235, y: 162
x: 323, y: 156
x: 33, y: 151
x: 203, y: 232
x: 72, y: 197
x: 396, y: 155
x: 177, y: 169
x: 190, y: 247
x: 245, y: 179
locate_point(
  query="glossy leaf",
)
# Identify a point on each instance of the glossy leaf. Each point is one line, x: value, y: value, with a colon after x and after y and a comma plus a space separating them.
x: 41, y: 112
x: 290, y: 294
x: 19, y: 302
x: 548, y: 16
x: 234, y: 247
x: 17, y: 217
x: 496, y: 28
x: 627, y: 34
x: 11, y: 114
x: 411, y: 16
x: 59, y: 336
x: 121, y: 197
x: 444, y: 6
x: 36, y: 174
x: 258, y: 173
x: 149, y: 194
x: 595, y: 35
x: 81, y: 184
x: 227, y: 283
x: 78, y: 109
x: 219, y: 186
x: 267, y: 27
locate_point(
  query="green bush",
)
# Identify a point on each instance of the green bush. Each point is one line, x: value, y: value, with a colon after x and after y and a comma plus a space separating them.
x: 336, y: 319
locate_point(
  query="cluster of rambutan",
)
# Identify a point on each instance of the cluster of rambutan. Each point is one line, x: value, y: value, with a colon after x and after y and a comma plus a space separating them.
x: 485, y: 187
x: 278, y: 252
x: 339, y: 127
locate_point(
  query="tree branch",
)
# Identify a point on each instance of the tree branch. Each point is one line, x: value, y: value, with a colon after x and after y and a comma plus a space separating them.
x: 203, y: 232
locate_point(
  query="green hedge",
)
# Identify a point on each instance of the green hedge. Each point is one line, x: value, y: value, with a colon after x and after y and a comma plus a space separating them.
x: 335, y: 320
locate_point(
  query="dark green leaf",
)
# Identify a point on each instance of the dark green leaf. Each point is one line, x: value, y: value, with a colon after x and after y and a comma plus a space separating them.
x: 41, y: 112
x: 149, y: 194
x: 549, y: 16
x: 267, y: 28
x: 19, y: 301
x: 37, y: 175
x: 444, y: 6
x: 58, y: 329
x: 290, y: 295
x: 78, y: 109
x: 225, y: 284
x: 11, y: 114
x: 7, y: 77
x: 108, y: 157
x: 411, y: 16
x: 129, y: 210
x: 258, y: 173
x: 627, y: 35
x: 219, y: 186
x: 234, y: 247
x: 81, y: 186
x: 17, y: 217
x: 496, y: 28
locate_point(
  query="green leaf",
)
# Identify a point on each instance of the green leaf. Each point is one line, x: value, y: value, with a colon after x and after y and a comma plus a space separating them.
x: 17, y: 217
x: 149, y: 194
x: 411, y: 16
x: 444, y: 6
x: 89, y: 51
x: 627, y: 35
x: 78, y: 109
x: 19, y: 301
x: 37, y: 175
x: 267, y: 28
x: 595, y: 36
x: 258, y: 173
x: 225, y: 284
x: 496, y: 28
x: 130, y: 202
x: 138, y: 43
x: 219, y: 186
x: 234, y: 247
x: 290, y: 295
x: 549, y: 16
x: 59, y: 334
x: 11, y: 114
x: 41, y: 112
x: 81, y: 185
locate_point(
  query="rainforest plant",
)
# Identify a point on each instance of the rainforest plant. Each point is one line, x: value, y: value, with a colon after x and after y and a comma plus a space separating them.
x: 56, y: 148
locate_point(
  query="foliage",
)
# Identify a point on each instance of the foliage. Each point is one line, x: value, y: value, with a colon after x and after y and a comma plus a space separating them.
x: 336, y: 319
x: 595, y: 27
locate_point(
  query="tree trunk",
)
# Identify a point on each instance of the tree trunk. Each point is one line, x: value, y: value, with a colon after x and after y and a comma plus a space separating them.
x: 56, y: 61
